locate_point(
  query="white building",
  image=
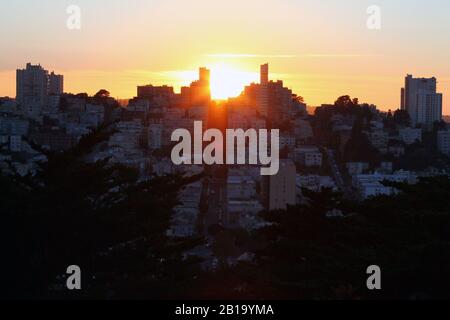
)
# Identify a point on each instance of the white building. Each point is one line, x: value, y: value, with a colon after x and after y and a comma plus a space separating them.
x: 420, y: 99
x: 370, y: 185
x: 429, y: 108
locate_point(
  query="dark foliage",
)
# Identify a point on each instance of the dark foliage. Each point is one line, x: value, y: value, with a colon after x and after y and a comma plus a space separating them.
x: 95, y: 215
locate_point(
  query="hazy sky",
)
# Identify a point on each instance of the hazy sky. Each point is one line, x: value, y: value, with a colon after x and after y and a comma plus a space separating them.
x: 321, y: 49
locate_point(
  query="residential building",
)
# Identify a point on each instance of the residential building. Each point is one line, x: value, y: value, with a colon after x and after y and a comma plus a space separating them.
x: 34, y: 85
x: 410, y: 135
x: 279, y: 191
x: 421, y: 100
x: 308, y: 156
x: 443, y: 141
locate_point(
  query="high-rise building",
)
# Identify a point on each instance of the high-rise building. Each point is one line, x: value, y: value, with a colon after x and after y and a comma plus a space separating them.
x: 55, y: 84
x: 402, y: 99
x: 264, y: 73
x: 279, y: 191
x: 204, y: 76
x: 34, y: 85
x: 420, y: 99
x: 271, y: 99
x: 198, y: 94
x: 263, y: 92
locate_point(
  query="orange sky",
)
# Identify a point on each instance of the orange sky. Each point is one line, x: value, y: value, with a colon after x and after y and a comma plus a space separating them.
x: 321, y: 49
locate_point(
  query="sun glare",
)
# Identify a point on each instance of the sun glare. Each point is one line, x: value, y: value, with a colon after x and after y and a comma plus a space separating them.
x: 228, y: 81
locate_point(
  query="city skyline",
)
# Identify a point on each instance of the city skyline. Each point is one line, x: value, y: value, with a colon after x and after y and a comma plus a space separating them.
x: 223, y: 86
x: 160, y: 45
x: 206, y: 150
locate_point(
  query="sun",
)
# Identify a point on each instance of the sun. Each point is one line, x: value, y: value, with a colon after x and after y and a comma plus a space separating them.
x: 228, y: 81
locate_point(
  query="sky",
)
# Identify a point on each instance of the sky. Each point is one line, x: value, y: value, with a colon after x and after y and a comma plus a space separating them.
x: 321, y: 49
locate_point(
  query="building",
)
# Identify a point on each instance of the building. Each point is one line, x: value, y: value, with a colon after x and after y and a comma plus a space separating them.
x: 55, y: 84
x: 308, y: 156
x: 270, y: 98
x: 155, y: 135
x: 241, y: 187
x: 443, y: 141
x: 315, y: 183
x: 420, y: 99
x: 8, y: 105
x: 14, y: 126
x: 370, y: 185
x: 184, y: 217
x: 379, y: 139
x: 34, y: 85
x: 199, y: 92
x: 242, y: 199
x: 263, y: 92
x: 151, y: 92
x: 279, y: 191
x: 429, y: 108
x: 410, y: 135
x: 287, y: 141
x: 154, y: 96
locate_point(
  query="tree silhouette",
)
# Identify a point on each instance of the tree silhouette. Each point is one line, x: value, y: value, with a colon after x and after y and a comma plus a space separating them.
x: 99, y: 216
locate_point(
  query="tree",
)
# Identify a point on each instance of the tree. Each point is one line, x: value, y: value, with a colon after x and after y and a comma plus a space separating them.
x: 99, y: 216
x: 309, y: 256
x: 102, y: 93
x: 402, y: 118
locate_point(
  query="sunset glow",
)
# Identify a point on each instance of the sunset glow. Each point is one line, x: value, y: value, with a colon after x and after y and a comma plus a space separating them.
x: 302, y: 40
x: 228, y: 81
